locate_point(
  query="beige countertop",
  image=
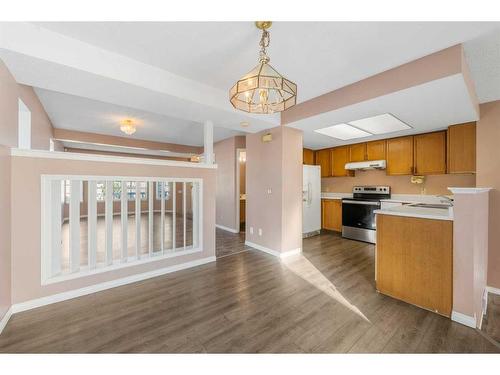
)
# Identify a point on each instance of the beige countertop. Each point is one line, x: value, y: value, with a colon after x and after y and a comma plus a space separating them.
x: 419, y: 212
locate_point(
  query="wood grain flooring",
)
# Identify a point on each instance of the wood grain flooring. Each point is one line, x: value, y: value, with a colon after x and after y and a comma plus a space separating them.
x: 323, y: 301
x: 491, y: 322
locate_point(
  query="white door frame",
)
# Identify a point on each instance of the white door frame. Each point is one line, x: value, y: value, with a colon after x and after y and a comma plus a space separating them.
x: 238, y: 151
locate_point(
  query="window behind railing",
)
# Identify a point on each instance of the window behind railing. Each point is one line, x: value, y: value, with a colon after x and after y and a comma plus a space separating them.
x: 96, y: 224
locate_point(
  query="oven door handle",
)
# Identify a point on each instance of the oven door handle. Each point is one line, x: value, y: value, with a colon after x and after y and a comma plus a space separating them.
x: 366, y: 203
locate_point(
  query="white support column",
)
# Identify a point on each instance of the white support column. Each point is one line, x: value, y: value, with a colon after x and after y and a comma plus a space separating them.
x: 55, y: 245
x: 174, y: 213
x: 195, y: 202
x: 124, y: 217
x: 137, y: 220
x: 108, y: 219
x: 184, y: 214
x: 74, y: 226
x: 208, y: 150
x: 150, y: 217
x: 162, y: 215
x: 92, y: 224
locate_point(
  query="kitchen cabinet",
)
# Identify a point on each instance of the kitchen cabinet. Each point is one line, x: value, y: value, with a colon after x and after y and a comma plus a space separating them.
x: 414, y: 261
x: 400, y: 156
x: 323, y: 160
x: 357, y: 152
x: 430, y: 153
x: 307, y: 156
x: 339, y: 157
x: 331, y: 214
x: 462, y: 148
x: 375, y: 150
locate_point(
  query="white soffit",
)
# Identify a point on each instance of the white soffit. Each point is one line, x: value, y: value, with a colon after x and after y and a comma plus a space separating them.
x: 381, y: 124
x: 343, y: 132
x: 431, y: 106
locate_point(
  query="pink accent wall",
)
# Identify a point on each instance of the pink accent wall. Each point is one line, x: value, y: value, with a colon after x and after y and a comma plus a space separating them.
x: 123, y: 141
x: 25, y: 184
x: 429, y: 68
x: 488, y: 175
x: 276, y: 165
x: 5, y: 252
x: 227, y: 194
x: 470, y: 253
x: 436, y: 184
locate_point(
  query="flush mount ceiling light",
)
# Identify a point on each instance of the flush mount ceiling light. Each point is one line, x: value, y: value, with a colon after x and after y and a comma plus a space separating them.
x: 263, y: 90
x: 127, y: 126
x: 380, y: 124
x: 343, y: 132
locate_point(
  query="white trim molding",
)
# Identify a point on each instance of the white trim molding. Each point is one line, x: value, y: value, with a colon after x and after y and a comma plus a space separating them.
x: 468, y: 190
x: 276, y: 253
x: 43, y: 301
x: 106, y: 158
x: 493, y: 290
x: 5, y: 319
x: 466, y: 320
x: 227, y: 228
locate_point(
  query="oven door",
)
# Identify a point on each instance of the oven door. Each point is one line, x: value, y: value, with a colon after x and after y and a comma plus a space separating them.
x: 359, y: 214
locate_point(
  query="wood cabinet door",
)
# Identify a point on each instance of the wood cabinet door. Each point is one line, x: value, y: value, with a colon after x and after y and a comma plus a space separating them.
x: 430, y: 153
x: 331, y: 214
x: 414, y: 261
x: 357, y: 152
x: 339, y: 157
x: 400, y: 156
x: 462, y: 148
x: 323, y: 160
x: 307, y: 156
x: 375, y: 150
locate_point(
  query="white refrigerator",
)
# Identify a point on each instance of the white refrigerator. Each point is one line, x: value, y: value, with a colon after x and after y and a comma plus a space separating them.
x: 311, y: 200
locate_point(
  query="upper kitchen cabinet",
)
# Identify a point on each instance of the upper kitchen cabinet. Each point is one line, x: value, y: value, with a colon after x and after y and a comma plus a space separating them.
x: 323, y: 160
x: 375, y: 150
x: 400, y: 156
x: 307, y: 156
x: 357, y: 152
x: 430, y: 153
x: 462, y: 148
x: 339, y: 157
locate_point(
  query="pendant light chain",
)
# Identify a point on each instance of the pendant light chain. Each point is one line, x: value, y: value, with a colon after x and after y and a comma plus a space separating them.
x: 264, y: 43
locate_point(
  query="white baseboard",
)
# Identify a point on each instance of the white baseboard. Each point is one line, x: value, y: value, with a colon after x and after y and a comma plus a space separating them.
x: 227, y: 228
x: 32, y: 304
x: 466, y: 320
x: 5, y: 319
x: 275, y: 253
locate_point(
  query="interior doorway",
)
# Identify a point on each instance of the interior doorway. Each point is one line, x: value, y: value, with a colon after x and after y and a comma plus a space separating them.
x: 241, y: 159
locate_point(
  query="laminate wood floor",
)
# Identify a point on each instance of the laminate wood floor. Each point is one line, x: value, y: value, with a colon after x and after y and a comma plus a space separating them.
x: 491, y: 322
x: 322, y: 301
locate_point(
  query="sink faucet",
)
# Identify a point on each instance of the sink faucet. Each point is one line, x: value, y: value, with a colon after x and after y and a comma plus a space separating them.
x: 446, y: 200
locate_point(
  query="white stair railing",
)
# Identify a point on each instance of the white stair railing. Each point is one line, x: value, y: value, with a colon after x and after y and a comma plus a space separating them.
x: 87, y: 222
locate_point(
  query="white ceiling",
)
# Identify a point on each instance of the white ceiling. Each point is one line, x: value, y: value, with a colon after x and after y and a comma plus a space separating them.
x: 483, y: 58
x: 318, y: 56
x: 179, y: 73
x: 430, y: 106
x: 81, y: 114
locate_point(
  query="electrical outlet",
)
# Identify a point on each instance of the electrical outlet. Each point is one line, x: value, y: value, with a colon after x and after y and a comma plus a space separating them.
x: 269, y: 191
x: 251, y: 230
x: 260, y: 231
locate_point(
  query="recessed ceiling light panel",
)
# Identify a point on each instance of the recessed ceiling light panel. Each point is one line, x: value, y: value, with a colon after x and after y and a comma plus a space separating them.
x: 380, y: 124
x: 343, y: 132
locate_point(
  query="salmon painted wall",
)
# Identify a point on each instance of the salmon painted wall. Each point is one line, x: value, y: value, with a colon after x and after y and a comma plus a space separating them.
x: 227, y: 194
x: 488, y: 175
x: 274, y: 189
x: 436, y: 184
x: 25, y: 185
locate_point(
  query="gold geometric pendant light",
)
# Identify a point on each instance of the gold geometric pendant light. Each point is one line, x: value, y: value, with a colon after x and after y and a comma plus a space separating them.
x: 263, y: 89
